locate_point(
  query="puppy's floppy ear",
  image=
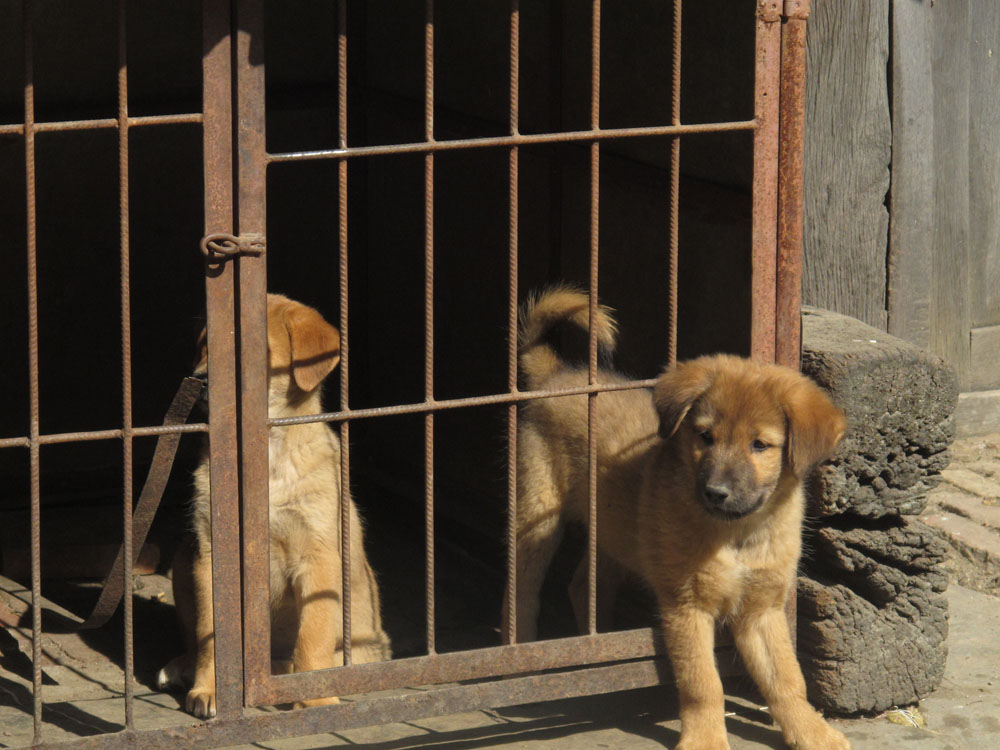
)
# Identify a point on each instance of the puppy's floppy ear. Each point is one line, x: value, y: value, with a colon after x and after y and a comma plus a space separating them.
x: 815, y: 424
x: 315, y: 346
x: 677, y: 389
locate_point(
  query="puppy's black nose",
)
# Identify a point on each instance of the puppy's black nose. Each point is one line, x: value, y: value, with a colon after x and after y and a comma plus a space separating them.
x: 717, y: 494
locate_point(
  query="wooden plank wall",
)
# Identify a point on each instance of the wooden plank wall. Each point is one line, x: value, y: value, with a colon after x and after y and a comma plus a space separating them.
x: 847, y: 153
x: 919, y: 257
x: 911, y: 227
x: 944, y: 239
x: 950, y: 301
x: 984, y: 193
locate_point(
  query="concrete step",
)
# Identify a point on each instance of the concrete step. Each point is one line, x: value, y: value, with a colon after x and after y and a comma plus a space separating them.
x: 975, y: 561
x: 972, y: 481
x: 967, y: 533
x: 982, y: 510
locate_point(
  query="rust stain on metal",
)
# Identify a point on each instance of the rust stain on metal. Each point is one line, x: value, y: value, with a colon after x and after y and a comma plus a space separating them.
x: 788, y: 294
x: 107, y: 123
x: 765, y: 187
x: 460, y: 144
x: 464, y: 665
x: 510, y: 635
x: 797, y: 9
x: 788, y: 289
x: 429, y: 328
x: 126, y: 368
x: 345, y: 433
x: 220, y: 296
x: 675, y: 189
x: 769, y: 11
x: 251, y: 327
x: 33, y: 374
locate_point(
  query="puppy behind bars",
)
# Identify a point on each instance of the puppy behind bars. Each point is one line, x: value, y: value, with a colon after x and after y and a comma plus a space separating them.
x: 699, y: 495
x: 304, y: 515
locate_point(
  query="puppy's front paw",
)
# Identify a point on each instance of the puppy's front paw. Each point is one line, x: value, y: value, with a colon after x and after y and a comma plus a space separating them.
x: 201, y: 702
x: 317, y: 702
x: 819, y: 736
x: 703, y: 741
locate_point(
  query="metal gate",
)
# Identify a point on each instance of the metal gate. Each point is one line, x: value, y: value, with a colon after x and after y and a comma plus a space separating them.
x: 236, y: 161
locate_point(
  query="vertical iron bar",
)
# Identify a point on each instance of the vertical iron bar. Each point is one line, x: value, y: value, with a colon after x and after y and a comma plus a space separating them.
x: 765, y: 179
x: 515, y: 45
x: 251, y: 653
x: 788, y: 323
x: 33, y: 405
x: 555, y: 125
x: 345, y: 435
x: 126, y: 334
x: 788, y: 292
x: 220, y: 300
x: 675, y: 177
x: 429, y: 320
x: 595, y: 191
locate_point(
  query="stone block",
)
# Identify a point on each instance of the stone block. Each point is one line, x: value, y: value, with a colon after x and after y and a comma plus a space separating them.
x: 899, y: 402
x: 872, y: 615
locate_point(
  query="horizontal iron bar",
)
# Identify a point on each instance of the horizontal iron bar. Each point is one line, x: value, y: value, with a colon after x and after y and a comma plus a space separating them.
x: 508, y: 141
x: 80, y: 437
x: 107, y: 123
x: 457, y: 403
x: 274, y: 725
x: 435, y: 669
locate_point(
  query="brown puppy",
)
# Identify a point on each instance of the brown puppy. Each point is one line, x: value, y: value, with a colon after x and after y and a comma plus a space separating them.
x: 305, y: 512
x: 699, y: 495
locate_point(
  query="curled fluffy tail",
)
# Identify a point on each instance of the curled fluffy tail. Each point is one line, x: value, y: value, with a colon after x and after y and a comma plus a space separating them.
x: 560, y: 304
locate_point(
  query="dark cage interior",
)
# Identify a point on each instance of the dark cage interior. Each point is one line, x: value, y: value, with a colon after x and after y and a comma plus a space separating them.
x: 75, y: 67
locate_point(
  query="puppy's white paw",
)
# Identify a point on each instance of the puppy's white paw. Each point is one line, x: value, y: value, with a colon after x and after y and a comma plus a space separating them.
x: 173, y: 675
x: 818, y: 735
x: 201, y: 703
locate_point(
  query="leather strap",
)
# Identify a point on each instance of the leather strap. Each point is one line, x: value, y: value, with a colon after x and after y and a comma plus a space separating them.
x: 149, y: 501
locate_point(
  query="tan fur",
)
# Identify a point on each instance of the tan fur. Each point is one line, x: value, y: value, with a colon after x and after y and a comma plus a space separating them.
x: 305, y: 512
x: 699, y: 495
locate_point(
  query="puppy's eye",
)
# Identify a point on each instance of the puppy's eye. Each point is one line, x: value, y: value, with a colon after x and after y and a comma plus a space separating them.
x: 758, y: 446
x: 706, y: 437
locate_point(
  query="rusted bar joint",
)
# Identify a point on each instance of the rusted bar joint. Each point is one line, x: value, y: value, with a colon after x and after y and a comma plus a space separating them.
x: 796, y: 9
x: 769, y: 11
x: 219, y: 247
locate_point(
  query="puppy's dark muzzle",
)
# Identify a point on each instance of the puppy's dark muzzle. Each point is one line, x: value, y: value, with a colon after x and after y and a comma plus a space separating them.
x: 722, y: 500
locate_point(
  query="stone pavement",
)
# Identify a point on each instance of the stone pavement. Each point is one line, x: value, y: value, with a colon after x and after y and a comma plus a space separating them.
x: 83, y: 685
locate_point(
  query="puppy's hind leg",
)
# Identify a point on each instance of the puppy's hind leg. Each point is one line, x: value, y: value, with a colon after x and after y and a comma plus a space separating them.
x: 609, y: 578
x: 536, y: 547
x: 539, y: 530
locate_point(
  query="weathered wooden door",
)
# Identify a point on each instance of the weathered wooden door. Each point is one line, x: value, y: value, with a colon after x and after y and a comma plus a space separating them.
x: 902, y: 224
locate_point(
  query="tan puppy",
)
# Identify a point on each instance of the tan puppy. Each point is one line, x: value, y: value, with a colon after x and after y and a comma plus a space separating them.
x: 699, y: 495
x: 305, y: 512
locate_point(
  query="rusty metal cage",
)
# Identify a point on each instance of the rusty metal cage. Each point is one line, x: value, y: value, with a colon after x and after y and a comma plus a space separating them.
x: 236, y: 165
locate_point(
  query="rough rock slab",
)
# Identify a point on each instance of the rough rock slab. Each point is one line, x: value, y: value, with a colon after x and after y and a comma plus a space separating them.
x: 899, y: 402
x: 873, y: 617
